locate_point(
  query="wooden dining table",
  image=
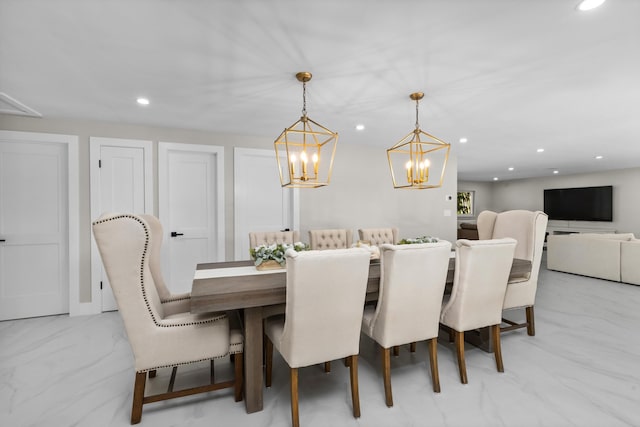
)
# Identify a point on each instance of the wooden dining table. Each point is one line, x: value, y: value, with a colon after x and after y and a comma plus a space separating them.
x: 232, y: 285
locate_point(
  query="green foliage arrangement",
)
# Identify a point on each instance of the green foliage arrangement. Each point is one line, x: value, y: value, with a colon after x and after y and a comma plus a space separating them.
x: 423, y: 239
x: 275, y: 252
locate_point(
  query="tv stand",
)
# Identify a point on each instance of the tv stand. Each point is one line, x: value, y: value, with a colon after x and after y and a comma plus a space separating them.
x: 552, y: 229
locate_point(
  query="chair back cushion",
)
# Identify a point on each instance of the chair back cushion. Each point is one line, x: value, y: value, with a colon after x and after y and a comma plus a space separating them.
x: 155, y: 255
x: 379, y: 236
x: 528, y: 228
x: 124, y: 242
x: 325, y: 297
x: 520, y: 225
x: 257, y: 238
x: 485, y: 224
x: 330, y: 239
x: 479, y: 284
x: 412, y: 285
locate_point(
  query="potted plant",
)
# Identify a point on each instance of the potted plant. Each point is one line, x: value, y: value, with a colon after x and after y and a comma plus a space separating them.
x: 423, y: 239
x: 269, y: 257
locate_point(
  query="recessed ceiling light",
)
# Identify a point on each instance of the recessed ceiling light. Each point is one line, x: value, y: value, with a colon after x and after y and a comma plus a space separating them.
x: 590, y: 4
x: 556, y: 172
x: 495, y: 178
x: 598, y: 157
x: 142, y: 101
x: 540, y: 150
x: 511, y: 169
x: 463, y: 140
x: 360, y: 127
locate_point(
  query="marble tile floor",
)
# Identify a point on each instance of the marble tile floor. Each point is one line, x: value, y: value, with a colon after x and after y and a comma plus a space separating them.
x: 581, y: 369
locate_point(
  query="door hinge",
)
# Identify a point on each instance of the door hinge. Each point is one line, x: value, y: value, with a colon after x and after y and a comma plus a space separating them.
x: 99, y: 163
x: 101, y: 285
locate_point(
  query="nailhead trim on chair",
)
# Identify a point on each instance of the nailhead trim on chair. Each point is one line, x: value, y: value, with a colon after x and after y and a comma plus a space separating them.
x: 144, y: 292
x: 174, y: 299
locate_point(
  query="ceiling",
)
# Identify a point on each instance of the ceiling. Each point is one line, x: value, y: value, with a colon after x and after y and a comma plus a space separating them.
x: 512, y: 76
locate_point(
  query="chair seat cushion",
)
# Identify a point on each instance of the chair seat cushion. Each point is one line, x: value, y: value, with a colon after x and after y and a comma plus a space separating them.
x: 186, y: 318
x: 367, y: 320
x: 273, y: 328
x: 519, y: 279
x: 273, y: 310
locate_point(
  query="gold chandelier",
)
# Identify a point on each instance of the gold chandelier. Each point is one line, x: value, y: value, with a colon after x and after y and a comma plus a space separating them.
x: 308, y: 148
x: 421, y: 157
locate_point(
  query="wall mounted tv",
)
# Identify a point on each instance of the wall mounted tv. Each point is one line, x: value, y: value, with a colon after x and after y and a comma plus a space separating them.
x: 579, y: 204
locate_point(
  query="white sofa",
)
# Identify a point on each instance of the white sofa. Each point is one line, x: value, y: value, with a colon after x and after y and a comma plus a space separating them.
x: 603, y: 255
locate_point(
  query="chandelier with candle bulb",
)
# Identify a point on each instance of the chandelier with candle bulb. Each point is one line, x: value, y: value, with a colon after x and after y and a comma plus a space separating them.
x: 419, y: 159
x: 305, y: 150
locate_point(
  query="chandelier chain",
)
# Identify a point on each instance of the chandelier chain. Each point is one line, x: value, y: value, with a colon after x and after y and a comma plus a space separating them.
x: 417, y: 124
x: 304, y: 99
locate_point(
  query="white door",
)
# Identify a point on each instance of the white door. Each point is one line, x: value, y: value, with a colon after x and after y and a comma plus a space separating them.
x: 191, y: 207
x: 260, y: 202
x: 34, y: 233
x: 121, y: 181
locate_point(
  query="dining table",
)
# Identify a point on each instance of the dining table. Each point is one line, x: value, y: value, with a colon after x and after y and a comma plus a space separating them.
x: 233, y: 285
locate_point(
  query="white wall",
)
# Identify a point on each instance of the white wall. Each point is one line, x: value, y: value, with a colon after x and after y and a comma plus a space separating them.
x: 360, y: 193
x: 528, y: 194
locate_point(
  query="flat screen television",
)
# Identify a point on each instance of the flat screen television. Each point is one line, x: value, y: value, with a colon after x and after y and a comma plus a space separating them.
x: 579, y: 204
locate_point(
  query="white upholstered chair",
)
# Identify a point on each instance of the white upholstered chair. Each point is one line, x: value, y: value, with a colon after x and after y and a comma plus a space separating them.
x: 325, y: 296
x: 528, y: 228
x: 157, y: 337
x: 257, y: 238
x: 412, y: 286
x: 479, y: 285
x: 330, y: 239
x: 171, y: 303
x: 379, y: 236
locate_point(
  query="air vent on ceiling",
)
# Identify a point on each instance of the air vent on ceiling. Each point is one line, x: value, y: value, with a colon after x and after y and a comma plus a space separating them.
x: 8, y: 105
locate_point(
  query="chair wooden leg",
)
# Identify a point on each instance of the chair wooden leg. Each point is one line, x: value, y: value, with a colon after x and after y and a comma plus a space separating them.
x: 355, y: 395
x: 138, y: 397
x: 327, y: 367
x: 412, y: 347
x: 213, y: 373
x: 238, y: 360
x: 497, y: 350
x: 462, y: 367
x: 531, y: 324
x: 295, y: 417
x: 346, y: 361
x: 386, y: 375
x: 433, y: 361
x: 152, y: 373
x: 452, y: 335
x: 268, y: 346
x: 396, y: 350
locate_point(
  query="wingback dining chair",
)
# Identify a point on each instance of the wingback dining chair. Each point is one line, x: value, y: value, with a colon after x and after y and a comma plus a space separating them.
x: 479, y: 284
x: 257, y: 238
x: 325, y: 296
x: 171, y: 303
x: 379, y: 236
x: 330, y: 239
x: 412, y: 283
x: 528, y: 228
x: 157, y: 337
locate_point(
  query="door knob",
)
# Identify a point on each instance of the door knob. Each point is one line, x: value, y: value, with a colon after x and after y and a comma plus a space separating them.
x: 176, y: 234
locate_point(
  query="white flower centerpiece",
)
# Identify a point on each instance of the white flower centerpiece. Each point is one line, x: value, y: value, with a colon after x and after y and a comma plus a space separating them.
x: 423, y: 239
x: 269, y: 257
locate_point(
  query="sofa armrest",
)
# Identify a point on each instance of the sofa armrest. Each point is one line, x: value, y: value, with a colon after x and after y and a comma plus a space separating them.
x: 630, y: 262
